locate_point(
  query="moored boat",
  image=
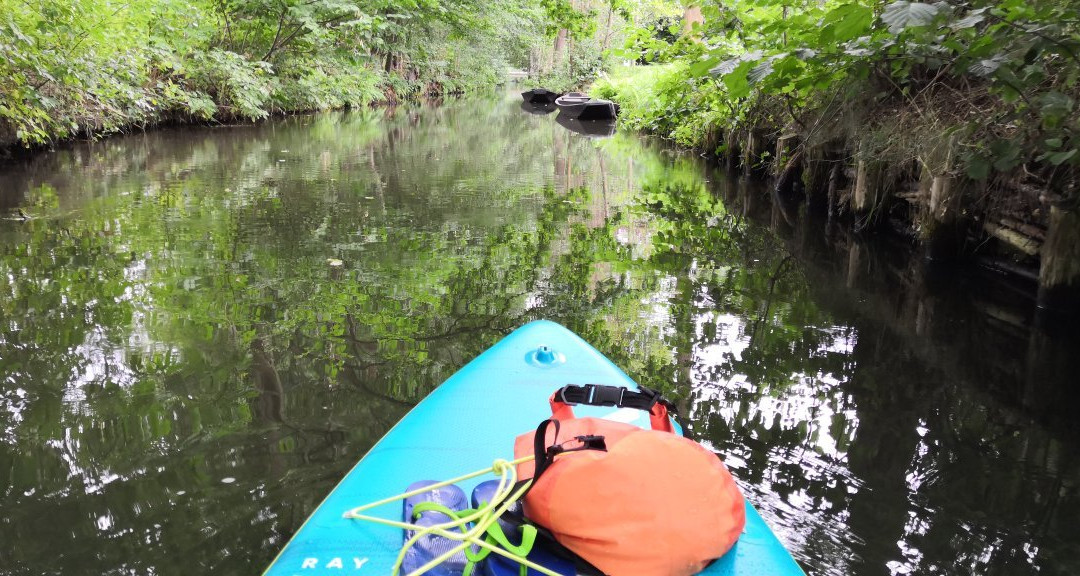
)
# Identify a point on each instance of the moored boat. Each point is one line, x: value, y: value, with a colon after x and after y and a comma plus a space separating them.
x: 582, y: 107
x: 466, y: 423
x: 538, y: 109
x: 591, y: 128
x: 539, y: 96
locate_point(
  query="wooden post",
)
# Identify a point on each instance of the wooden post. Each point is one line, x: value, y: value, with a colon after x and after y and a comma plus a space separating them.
x: 786, y: 146
x: 939, y: 220
x: 731, y: 149
x: 751, y: 152
x: 815, y: 176
x: 833, y: 190
x: 1059, y: 266
x: 938, y: 229
x: 866, y: 195
x: 859, y: 195
x: 854, y: 262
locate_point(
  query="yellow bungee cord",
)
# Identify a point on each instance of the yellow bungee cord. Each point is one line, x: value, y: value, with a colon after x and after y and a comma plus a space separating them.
x: 483, y: 518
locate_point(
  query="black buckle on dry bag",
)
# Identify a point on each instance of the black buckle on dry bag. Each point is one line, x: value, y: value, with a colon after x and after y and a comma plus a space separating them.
x: 593, y: 395
x: 544, y: 453
x: 588, y: 442
x: 654, y: 398
x: 602, y: 395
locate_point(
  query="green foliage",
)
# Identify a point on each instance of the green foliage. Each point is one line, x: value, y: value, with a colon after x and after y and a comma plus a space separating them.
x: 667, y: 100
x: 982, y: 73
x: 313, y: 84
x: 88, y: 67
x: 562, y: 15
x: 241, y: 88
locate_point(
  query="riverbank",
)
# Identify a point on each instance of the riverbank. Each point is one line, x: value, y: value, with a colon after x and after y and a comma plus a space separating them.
x: 87, y: 69
x: 232, y: 90
x: 885, y: 167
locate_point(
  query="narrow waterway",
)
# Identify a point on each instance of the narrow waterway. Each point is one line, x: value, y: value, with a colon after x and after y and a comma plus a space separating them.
x: 202, y: 329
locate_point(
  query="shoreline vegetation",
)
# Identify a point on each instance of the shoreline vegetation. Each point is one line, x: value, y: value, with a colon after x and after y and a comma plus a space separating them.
x: 93, y: 68
x: 954, y: 125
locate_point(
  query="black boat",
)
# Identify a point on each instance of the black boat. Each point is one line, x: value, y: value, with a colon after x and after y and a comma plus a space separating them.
x: 581, y: 107
x: 590, y: 128
x: 539, y: 96
x: 539, y: 109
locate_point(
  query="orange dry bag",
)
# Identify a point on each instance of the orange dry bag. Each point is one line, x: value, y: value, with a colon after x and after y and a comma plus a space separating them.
x: 629, y: 501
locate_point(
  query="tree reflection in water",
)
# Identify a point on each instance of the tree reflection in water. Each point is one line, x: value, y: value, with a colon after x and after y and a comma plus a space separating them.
x: 202, y: 330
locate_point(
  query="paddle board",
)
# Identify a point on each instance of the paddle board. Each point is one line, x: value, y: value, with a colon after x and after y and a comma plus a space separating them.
x: 464, y: 425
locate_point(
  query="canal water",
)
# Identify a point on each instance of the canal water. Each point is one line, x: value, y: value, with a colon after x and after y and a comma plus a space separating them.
x: 202, y: 329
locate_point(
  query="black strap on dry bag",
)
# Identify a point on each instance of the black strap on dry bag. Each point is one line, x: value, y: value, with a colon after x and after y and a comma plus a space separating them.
x: 604, y: 395
x: 545, y: 453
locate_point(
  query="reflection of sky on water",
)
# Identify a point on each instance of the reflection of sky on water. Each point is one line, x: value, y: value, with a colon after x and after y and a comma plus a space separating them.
x: 821, y: 467
x: 813, y: 402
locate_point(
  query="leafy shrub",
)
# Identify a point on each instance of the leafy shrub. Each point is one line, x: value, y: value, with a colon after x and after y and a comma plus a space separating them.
x: 315, y: 85
x: 240, y: 87
x: 1001, y: 76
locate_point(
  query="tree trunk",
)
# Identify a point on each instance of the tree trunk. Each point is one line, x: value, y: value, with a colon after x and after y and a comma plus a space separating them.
x: 557, y: 56
x: 692, y: 15
x: 561, y: 168
x: 607, y: 30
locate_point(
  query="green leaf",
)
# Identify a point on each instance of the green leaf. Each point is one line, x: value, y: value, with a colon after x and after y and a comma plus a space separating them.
x: 737, y: 84
x: 978, y: 167
x: 728, y: 66
x: 704, y: 66
x: 1055, y: 104
x: 973, y: 18
x: 847, y: 22
x: 1059, y: 158
x: 900, y: 15
x: 1006, y: 154
x: 760, y: 72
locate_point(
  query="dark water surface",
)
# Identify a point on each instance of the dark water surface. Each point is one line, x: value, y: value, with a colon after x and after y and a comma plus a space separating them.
x: 201, y: 330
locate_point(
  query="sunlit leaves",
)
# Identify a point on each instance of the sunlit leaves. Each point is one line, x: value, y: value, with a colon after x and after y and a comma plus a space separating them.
x: 987, y: 66
x: 563, y: 15
x: 760, y: 71
x: 846, y: 22
x: 738, y: 81
x: 902, y: 14
x: 972, y: 19
x: 72, y: 66
x: 1012, y: 64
